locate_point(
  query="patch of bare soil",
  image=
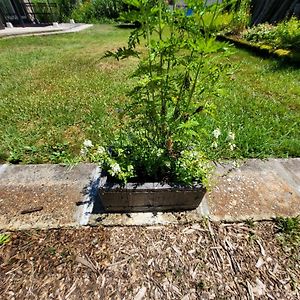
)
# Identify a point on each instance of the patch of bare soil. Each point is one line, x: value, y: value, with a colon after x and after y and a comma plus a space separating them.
x: 198, y: 261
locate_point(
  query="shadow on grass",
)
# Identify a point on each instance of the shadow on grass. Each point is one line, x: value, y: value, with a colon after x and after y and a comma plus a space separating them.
x: 283, y: 64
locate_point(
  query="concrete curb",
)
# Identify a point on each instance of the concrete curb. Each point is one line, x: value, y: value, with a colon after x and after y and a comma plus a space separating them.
x: 65, y: 194
x: 52, y: 196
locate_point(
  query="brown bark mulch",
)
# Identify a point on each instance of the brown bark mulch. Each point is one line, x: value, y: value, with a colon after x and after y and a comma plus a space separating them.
x: 196, y: 261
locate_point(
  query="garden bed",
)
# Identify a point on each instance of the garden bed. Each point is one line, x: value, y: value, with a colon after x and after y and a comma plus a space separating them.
x: 262, y: 49
x: 281, y: 40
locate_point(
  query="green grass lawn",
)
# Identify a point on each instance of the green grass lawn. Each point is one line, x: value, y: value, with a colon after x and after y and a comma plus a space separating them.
x: 55, y: 92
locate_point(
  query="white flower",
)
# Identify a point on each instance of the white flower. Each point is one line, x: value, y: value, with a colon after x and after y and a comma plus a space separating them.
x: 101, y: 150
x: 115, y: 169
x: 214, y: 144
x: 232, y: 146
x: 83, y: 152
x: 231, y: 136
x: 216, y: 133
x: 87, y: 143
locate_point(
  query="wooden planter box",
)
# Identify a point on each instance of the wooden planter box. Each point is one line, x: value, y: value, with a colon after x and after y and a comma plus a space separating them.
x: 148, y: 197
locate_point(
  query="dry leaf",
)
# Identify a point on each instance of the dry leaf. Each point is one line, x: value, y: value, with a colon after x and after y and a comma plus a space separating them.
x: 260, y: 288
x: 86, y: 263
x: 262, y: 250
x: 260, y: 262
x: 177, y: 250
x: 250, y: 290
x: 141, y: 294
x: 188, y: 231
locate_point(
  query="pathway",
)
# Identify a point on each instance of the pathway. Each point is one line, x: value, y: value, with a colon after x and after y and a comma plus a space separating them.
x: 51, y: 196
x: 43, y: 30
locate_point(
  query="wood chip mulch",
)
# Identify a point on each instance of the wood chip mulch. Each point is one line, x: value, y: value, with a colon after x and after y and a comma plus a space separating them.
x: 196, y: 261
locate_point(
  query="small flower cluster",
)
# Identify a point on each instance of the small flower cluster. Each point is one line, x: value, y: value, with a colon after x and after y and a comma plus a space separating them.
x: 230, y: 139
x: 121, y: 170
x: 87, y: 144
x: 192, y: 167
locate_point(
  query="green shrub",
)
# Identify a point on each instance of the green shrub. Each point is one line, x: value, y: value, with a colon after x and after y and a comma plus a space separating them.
x: 97, y: 11
x: 53, y: 10
x: 241, y: 15
x: 285, y: 35
x: 288, y: 34
x: 65, y: 8
x: 110, y: 9
x: 260, y: 33
x: 221, y: 22
x: 83, y: 13
x: 46, y: 12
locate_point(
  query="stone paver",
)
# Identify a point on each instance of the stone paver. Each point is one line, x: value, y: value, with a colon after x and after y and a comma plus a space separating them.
x: 257, y: 189
x: 65, y: 194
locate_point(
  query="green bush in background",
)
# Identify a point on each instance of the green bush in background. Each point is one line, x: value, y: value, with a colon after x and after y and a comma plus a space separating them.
x: 65, y: 8
x: 285, y: 35
x: 86, y: 11
x: 235, y: 16
x: 241, y: 15
x: 97, y: 11
x: 48, y: 11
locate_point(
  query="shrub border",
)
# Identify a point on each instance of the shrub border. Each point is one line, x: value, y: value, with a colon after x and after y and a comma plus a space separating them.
x: 264, y: 50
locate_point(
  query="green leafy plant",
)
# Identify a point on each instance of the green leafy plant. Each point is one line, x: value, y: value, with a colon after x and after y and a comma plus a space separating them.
x: 4, y: 238
x: 176, y: 79
x: 261, y: 32
x: 177, y: 75
x: 284, y: 35
x: 47, y: 11
x: 288, y: 34
x: 65, y: 8
x: 84, y: 13
x: 97, y: 11
x: 290, y: 229
x: 288, y: 225
x: 240, y: 10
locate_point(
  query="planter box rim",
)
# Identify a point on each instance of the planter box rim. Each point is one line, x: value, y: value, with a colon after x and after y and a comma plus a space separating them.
x: 147, y: 186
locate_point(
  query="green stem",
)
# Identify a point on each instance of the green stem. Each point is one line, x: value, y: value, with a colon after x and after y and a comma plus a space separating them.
x: 194, y: 83
x: 163, y: 100
x: 150, y: 92
x: 214, y: 15
x: 181, y: 92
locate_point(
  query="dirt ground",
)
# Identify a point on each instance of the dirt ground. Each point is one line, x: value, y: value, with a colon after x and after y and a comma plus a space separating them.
x: 194, y: 261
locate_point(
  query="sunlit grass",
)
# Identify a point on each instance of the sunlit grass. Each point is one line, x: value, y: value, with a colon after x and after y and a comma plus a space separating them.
x: 262, y: 107
x: 55, y: 91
